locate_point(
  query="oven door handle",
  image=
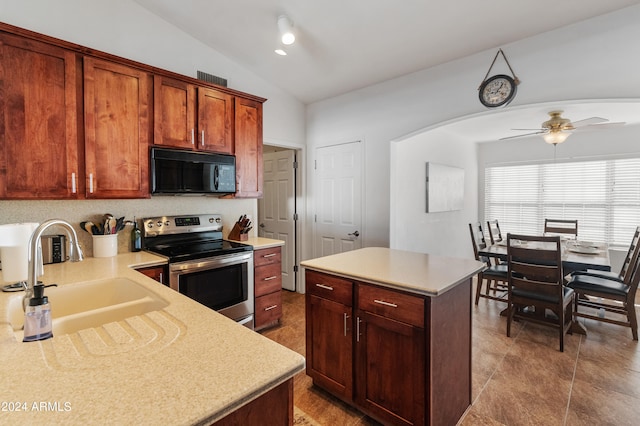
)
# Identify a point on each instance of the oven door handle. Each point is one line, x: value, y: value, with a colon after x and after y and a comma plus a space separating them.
x: 211, y: 262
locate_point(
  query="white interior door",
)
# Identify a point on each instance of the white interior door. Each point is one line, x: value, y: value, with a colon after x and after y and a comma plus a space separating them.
x: 338, y: 220
x: 276, y: 208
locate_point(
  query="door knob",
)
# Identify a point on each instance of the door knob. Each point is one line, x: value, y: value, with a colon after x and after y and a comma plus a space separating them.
x: 355, y: 234
x: 261, y: 225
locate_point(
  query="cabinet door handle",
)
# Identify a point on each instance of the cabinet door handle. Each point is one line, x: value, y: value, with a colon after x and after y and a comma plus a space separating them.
x: 160, y: 278
x: 193, y: 137
x: 345, y: 323
x: 73, y: 183
x: 90, y: 183
x: 358, y: 321
x: 271, y: 307
x: 382, y: 302
x: 269, y: 255
x: 326, y: 287
x: 271, y: 278
x: 202, y: 140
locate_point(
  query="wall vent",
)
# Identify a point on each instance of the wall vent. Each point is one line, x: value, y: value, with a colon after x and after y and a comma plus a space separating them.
x: 210, y: 78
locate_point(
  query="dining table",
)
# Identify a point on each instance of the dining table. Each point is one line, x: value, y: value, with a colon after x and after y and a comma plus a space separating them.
x: 576, y: 256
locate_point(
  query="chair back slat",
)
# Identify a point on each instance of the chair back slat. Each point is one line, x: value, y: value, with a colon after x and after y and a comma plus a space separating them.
x: 561, y: 226
x: 630, y: 259
x: 494, y: 231
x: 478, y: 241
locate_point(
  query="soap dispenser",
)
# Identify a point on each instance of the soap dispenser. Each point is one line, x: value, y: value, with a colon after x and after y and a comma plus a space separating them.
x: 37, y: 316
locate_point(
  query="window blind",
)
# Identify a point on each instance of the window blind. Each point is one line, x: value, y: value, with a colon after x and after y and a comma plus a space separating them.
x: 603, y: 195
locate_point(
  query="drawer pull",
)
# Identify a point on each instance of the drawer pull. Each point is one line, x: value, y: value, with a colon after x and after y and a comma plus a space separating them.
x: 345, y: 323
x: 382, y: 302
x: 326, y: 287
x: 271, y: 307
x: 358, y: 321
x: 270, y: 278
x: 269, y: 255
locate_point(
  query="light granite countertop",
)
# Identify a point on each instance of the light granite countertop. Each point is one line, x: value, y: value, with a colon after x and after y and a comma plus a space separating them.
x: 184, y: 364
x: 419, y: 273
x: 261, y: 242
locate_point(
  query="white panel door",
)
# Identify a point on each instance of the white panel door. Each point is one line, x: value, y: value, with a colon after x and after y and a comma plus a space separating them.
x: 338, y: 220
x: 277, y: 207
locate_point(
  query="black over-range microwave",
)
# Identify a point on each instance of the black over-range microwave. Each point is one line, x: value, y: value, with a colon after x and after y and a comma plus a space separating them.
x: 175, y: 172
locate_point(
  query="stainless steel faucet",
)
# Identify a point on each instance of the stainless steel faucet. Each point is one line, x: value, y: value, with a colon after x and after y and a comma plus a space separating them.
x: 75, y: 253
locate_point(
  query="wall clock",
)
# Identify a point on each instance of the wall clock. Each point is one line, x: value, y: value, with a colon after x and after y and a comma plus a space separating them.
x: 500, y: 89
x: 497, y: 91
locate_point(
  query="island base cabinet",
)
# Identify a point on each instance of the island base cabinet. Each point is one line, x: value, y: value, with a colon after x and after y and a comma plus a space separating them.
x: 390, y: 373
x: 329, y: 345
x: 407, y: 360
x: 273, y: 408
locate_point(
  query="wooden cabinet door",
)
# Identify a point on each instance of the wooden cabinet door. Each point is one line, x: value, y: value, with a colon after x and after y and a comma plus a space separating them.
x: 158, y: 273
x: 38, y: 123
x: 248, y: 148
x: 174, y: 111
x: 329, y: 345
x: 390, y: 372
x: 117, y: 130
x: 215, y: 121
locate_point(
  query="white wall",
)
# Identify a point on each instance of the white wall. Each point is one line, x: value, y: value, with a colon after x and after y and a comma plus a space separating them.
x: 411, y: 227
x: 123, y: 28
x: 594, y: 59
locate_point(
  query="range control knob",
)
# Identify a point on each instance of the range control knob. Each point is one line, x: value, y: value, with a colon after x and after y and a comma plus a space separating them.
x: 149, y: 224
x: 218, y: 220
x: 159, y: 223
x: 167, y: 223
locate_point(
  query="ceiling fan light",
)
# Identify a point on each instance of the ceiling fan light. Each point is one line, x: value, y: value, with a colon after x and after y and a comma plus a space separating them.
x: 555, y: 137
x: 285, y: 26
x: 281, y: 52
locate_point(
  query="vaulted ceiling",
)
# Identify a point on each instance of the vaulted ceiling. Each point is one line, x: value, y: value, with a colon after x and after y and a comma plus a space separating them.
x: 343, y: 45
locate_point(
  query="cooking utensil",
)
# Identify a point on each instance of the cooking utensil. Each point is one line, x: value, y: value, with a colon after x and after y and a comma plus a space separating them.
x: 87, y: 226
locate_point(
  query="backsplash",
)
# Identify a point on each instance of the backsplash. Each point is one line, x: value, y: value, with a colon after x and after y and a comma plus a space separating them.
x: 76, y: 211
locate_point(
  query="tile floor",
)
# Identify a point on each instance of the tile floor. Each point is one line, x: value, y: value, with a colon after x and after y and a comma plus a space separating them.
x: 522, y: 380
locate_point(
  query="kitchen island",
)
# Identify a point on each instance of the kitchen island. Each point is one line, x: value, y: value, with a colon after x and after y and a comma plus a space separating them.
x: 183, y: 364
x: 389, y: 332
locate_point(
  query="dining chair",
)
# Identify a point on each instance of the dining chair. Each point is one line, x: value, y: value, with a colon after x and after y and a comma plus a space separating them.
x: 560, y: 226
x: 494, y: 231
x: 597, y: 291
x: 628, y: 260
x: 536, y: 283
x: 495, y: 275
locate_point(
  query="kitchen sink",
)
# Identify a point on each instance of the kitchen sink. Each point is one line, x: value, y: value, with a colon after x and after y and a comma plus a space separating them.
x: 91, y: 304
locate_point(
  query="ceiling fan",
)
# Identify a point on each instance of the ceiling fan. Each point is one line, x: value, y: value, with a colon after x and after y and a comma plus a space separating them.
x: 557, y: 129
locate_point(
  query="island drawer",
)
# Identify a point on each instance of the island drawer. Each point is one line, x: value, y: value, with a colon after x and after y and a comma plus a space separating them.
x: 267, y: 256
x: 391, y: 304
x: 268, y: 278
x: 329, y: 287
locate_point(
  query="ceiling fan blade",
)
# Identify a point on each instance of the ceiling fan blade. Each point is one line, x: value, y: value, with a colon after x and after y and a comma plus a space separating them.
x: 600, y: 126
x: 589, y: 121
x: 523, y: 135
x: 538, y: 129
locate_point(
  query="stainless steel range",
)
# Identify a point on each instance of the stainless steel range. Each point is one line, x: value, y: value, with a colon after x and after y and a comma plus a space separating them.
x: 202, y: 266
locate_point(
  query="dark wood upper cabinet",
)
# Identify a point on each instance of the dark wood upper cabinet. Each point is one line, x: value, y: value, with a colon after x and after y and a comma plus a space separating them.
x: 192, y: 117
x: 248, y: 148
x: 39, y: 112
x: 174, y: 104
x: 215, y: 121
x: 117, y: 99
x: 78, y: 123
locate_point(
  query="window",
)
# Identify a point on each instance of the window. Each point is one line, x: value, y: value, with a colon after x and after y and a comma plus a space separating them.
x: 604, y: 196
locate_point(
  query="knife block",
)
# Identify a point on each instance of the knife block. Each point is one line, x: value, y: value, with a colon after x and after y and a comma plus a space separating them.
x: 236, y: 235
